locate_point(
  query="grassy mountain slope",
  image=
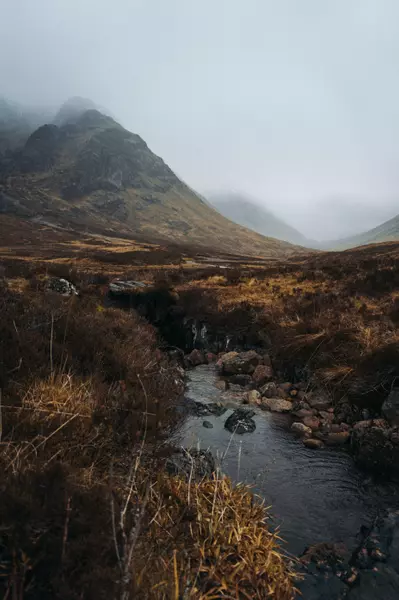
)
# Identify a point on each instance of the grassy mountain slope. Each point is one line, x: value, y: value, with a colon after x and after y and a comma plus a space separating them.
x: 244, y: 211
x: 93, y: 173
x: 386, y: 232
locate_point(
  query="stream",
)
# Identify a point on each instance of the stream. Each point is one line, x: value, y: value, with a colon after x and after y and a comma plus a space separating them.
x: 316, y: 496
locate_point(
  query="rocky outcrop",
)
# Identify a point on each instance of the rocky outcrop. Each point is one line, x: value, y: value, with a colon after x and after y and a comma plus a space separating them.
x: 241, y: 421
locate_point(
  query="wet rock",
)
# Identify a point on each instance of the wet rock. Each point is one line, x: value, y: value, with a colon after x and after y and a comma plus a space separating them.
x: 210, y: 357
x: 303, y: 412
x: 312, y: 422
x: 200, y: 409
x: 241, y: 421
x: 390, y: 408
x: 337, y: 439
x: 191, y: 464
x: 196, y: 358
x: 62, y: 286
x: 262, y: 374
x: 244, y: 362
x: 301, y: 429
x: 269, y: 390
x: 242, y: 380
x: 254, y: 397
x: 277, y: 405
x: 313, y: 443
x: 207, y: 425
x: 294, y: 393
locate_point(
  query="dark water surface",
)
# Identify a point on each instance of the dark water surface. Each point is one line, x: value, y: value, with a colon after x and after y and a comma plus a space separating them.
x: 316, y: 495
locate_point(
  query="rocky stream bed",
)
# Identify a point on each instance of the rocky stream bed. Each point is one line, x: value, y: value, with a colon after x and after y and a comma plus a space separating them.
x: 341, y: 521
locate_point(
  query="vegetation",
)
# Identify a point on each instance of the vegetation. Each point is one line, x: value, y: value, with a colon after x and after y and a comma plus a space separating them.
x: 88, y: 402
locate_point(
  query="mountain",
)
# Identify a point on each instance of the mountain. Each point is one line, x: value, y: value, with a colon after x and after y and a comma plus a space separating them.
x: 92, y: 173
x: 386, y: 232
x: 243, y: 210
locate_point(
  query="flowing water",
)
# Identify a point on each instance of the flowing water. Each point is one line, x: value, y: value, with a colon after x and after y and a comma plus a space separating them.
x: 316, y: 495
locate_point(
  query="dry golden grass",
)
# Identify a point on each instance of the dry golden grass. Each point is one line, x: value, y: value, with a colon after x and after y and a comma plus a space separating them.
x: 218, y: 544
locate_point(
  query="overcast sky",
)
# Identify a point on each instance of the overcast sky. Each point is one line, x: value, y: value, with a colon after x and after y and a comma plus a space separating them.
x: 294, y: 101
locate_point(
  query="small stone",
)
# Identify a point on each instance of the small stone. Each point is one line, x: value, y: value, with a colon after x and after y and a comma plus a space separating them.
x: 207, y: 425
x: 361, y: 425
x: 269, y: 390
x: 301, y: 429
x: 254, y: 397
x: 338, y: 439
x: 327, y: 416
x: 312, y: 422
x: 262, y: 374
x: 221, y: 385
x: 303, y: 412
x: 293, y: 393
x: 277, y: 405
x: 313, y: 443
x: 196, y: 358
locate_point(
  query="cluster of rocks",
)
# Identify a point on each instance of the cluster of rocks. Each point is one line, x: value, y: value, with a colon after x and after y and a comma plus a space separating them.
x: 371, y: 570
x: 249, y: 378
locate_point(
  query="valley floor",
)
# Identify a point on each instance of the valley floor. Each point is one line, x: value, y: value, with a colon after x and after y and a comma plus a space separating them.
x: 90, y: 394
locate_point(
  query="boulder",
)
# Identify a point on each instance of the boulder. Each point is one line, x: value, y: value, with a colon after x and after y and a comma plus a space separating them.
x: 62, y: 286
x: 245, y: 362
x: 210, y: 357
x: 196, y: 358
x: 337, y: 439
x: 390, y: 408
x: 241, y: 421
x: 254, y: 397
x: 301, y: 429
x: 191, y: 464
x: 269, y: 390
x: 262, y: 374
x: 277, y: 405
x: 313, y: 443
x: 312, y: 422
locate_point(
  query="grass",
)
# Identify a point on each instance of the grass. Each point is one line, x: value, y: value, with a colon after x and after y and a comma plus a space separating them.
x: 88, y: 400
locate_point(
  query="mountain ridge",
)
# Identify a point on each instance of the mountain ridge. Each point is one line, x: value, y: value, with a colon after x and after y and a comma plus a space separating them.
x: 92, y: 172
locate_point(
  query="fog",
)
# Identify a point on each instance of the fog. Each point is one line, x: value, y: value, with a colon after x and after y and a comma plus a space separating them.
x: 295, y: 103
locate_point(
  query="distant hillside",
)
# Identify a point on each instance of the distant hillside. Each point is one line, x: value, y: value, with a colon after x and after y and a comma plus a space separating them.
x: 92, y: 173
x: 244, y: 211
x: 386, y: 232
